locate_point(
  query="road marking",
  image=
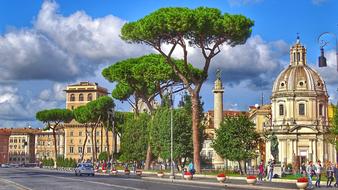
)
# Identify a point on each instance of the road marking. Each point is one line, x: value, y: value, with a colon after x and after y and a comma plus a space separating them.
x: 17, y: 185
x: 93, y: 182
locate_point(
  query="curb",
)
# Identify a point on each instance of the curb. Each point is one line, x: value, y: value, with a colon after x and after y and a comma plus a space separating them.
x: 213, y: 184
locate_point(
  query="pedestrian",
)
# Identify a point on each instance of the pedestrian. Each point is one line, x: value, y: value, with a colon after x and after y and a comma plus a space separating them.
x: 329, y: 174
x: 310, y: 173
x: 271, y: 167
x: 191, y: 168
x: 261, y: 172
x: 303, y: 169
x: 318, y: 171
x: 336, y: 174
x: 134, y: 166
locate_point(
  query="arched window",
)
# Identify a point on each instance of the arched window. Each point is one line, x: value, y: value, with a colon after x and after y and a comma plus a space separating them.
x: 81, y: 97
x: 301, y: 109
x: 298, y: 56
x: 72, y: 97
x: 89, y: 97
x: 281, y: 109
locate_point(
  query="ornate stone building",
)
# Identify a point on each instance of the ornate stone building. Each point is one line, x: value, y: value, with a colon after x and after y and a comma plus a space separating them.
x: 299, y: 107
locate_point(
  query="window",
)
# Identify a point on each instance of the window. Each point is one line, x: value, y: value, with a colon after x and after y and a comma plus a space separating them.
x: 298, y: 56
x: 80, y: 149
x: 89, y: 150
x: 71, y: 141
x: 71, y: 133
x: 321, y: 109
x: 89, y: 97
x: 301, y: 109
x: 281, y: 109
x: 80, y: 141
x: 71, y: 149
x: 72, y: 108
x: 80, y: 133
x: 97, y: 133
x: 72, y: 97
x: 81, y: 97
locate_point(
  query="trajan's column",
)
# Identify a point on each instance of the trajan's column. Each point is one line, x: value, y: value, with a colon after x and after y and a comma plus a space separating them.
x: 218, y: 113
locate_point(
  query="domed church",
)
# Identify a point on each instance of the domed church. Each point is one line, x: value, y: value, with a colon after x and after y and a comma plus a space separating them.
x: 299, y: 112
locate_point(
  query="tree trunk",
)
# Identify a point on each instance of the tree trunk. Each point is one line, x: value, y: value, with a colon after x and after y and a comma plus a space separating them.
x: 95, y: 144
x: 107, y: 139
x: 55, y: 146
x: 84, y: 143
x: 101, y: 140
x: 93, y: 148
x: 245, y: 171
x: 240, y: 167
x: 148, y: 158
x: 195, y: 130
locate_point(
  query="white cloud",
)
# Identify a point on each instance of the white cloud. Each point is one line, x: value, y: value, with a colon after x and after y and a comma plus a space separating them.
x: 318, y: 2
x: 61, y: 48
x: 243, y: 2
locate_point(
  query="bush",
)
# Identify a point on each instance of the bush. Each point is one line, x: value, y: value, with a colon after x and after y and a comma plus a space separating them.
x: 103, y: 156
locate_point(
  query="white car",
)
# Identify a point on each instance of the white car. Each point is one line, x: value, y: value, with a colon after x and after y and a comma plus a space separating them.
x: 84, y: 168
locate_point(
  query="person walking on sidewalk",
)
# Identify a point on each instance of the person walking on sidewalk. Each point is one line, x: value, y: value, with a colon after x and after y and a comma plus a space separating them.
x: 191, y: 168
x: 271, y: 167
x: 336, y: 174
x: 310, y: 172
x: 318, y: 170
x: 261, y: 172
x: 329, y: 173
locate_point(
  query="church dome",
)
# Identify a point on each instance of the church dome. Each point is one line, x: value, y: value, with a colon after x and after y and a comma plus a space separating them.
x: 298, y: 76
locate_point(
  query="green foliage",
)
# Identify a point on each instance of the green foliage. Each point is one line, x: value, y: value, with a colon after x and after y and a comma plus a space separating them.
x: 160, y: 132
x: 333, y: 135
x: 120, y: 119
x: 99, y: 108
x: 103, y: 156
x: 82, y: 114
x: 199, y: 26
x: 48, y: 162
x: 54, y: 116
x: 66, y: 163
x: 145, y: 76
x: 134, y: 139
x: 236, y: 139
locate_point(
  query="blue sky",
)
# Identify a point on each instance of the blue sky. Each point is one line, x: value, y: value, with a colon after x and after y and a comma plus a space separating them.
x: 45, y: 45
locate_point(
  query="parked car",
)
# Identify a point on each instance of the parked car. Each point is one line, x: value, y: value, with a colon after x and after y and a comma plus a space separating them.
x: 5, y: 165
x: 84, y: 168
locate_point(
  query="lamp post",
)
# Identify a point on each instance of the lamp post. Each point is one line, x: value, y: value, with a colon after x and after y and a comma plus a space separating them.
x: 323, y: 43
x: 172, y: 174
x: 322, y: 59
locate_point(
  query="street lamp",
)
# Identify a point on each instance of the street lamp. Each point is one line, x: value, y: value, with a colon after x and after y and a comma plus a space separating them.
x: 323, y: 43
x: 172, y: 174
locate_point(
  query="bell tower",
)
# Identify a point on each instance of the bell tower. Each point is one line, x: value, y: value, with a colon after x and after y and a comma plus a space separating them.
x: 297, y: 54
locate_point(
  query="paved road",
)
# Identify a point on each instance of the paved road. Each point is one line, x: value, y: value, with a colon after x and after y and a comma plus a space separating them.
x: 39, y: 179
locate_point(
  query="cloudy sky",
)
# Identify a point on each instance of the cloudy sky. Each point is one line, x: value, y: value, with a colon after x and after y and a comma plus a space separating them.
x: 45, y: 45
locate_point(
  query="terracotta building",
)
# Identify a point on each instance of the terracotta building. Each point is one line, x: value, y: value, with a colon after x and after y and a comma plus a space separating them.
x: 4, y: 144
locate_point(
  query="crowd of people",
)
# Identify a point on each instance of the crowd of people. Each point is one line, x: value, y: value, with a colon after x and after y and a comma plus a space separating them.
x: 309, y: 170
x: 316, y: 171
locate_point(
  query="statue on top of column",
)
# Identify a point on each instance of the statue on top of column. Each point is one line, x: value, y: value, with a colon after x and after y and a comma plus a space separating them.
x: 218, y: 74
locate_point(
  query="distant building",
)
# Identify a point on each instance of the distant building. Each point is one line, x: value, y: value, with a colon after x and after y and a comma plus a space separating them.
x: 82, y: 93
x: 22, y: 145
x: 4, y: 145
x: 44, y: 144
x: 75, y: 133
